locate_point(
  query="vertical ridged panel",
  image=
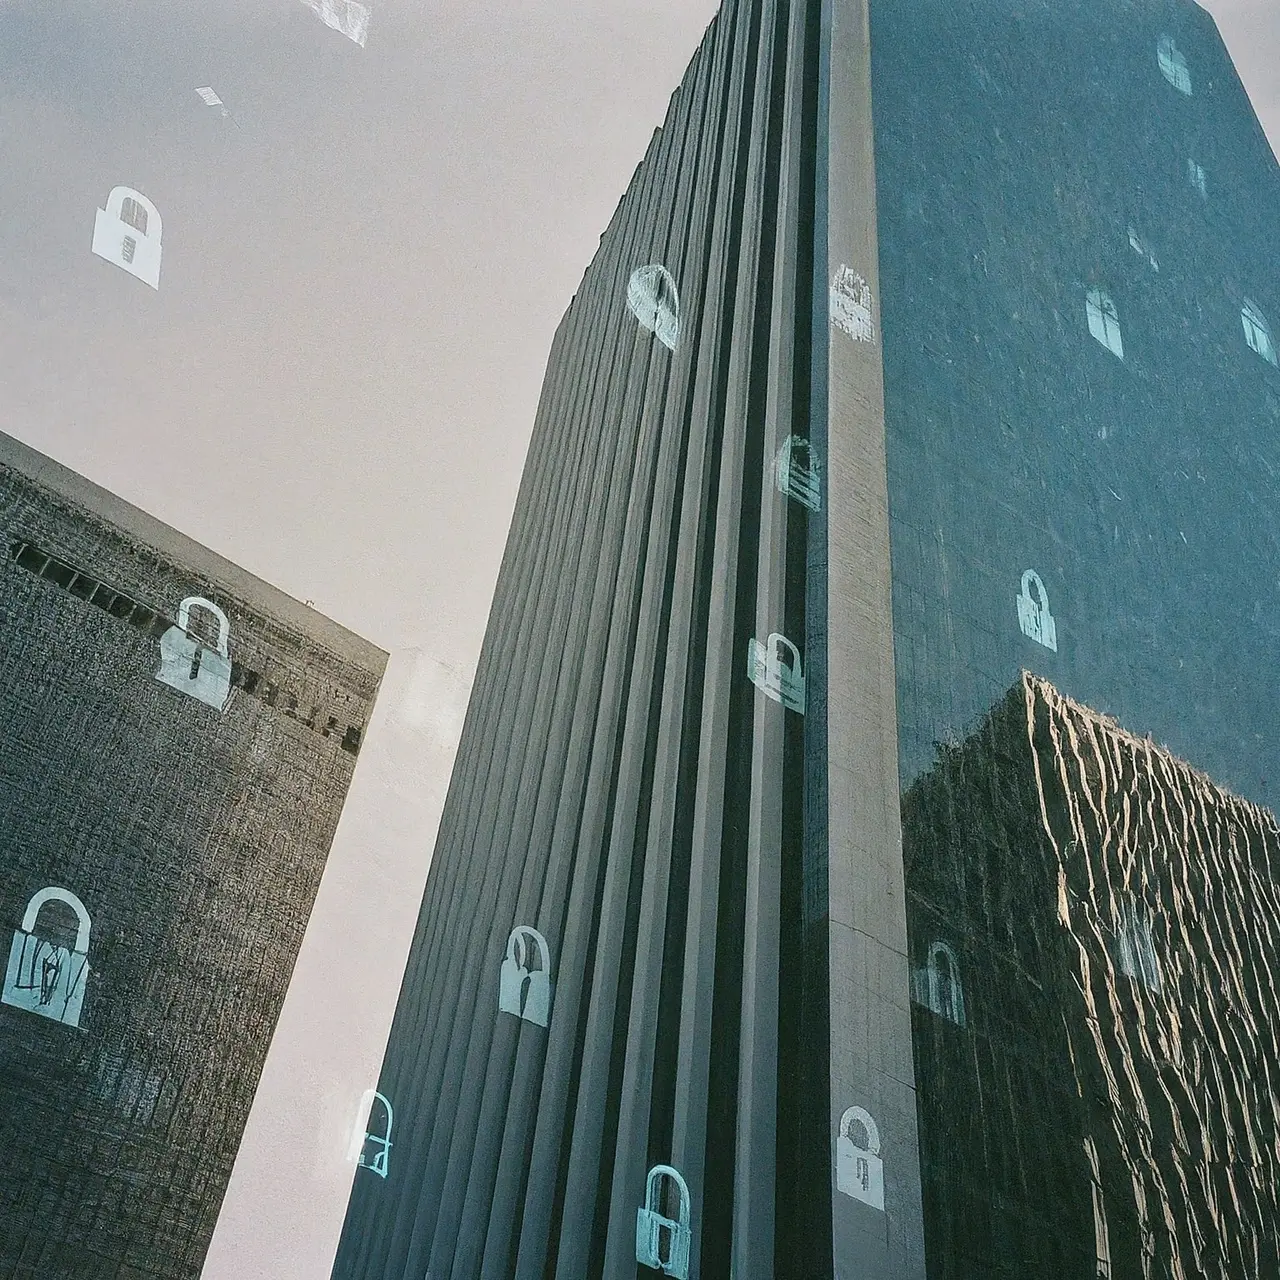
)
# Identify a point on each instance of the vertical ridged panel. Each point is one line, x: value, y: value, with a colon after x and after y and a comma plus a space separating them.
x: 621, y: 785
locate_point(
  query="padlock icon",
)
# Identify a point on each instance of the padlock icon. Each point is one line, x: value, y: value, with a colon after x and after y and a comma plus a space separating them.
x: 796, y: 473
x: 663, y: 1242
x: 655, y: 302
x: 127, y: 233
x: 44, y: 977
x: 851, y: 305
x: 937, y: 985
x: 1033, y: 612
x: 521, y: 991
x: 187, y: 664
x: 371, y: 1150
x: 859, y: 1170
x: 775, y: 670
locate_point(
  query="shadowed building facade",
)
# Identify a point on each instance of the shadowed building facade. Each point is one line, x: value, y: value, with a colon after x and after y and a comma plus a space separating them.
x: 1096, y: 923
x: 931, y: 344
x: 176, y: 743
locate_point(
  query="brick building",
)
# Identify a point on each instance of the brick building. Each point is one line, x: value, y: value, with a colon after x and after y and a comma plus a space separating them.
x: 176, y: 742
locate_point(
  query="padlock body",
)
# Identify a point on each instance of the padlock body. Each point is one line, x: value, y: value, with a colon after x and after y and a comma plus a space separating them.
x: 212, y: 682
x: 758, y: 669
x: 45, y: 978
x: 537, y: 1001
x: 662, y: 1243
x: 109, y: 241
x: 375, y: 1154
x: 1037, y: 623
x: 859, y: 1174
x: 1029, y: 618
x: 1048, y: 630
x: 511, y: 986
x: 798, y: 482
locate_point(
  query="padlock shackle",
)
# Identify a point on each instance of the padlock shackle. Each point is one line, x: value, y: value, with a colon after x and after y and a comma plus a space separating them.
x: 379, y: 1097
x: 792, y: 444
x: 656, y: 1174
x: 861, y: 1116
x: 516, y: 951
x: 115, y: 208
x: 1031, y: 576
x: 940, y: 948
x: 53, y: 894
x: 642, y: 288
x: 224, y: 626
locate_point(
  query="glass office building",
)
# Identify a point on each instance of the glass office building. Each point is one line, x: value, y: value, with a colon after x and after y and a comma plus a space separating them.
x: 859, y: 861
x: 176, y: 743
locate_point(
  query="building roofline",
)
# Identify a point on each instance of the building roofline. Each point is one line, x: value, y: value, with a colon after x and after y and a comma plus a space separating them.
x: 169, y: 543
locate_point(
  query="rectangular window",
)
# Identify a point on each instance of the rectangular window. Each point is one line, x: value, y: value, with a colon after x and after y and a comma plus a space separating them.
x: 1257, y: 332
x: 1104, y: 321
x: 1136, y: 950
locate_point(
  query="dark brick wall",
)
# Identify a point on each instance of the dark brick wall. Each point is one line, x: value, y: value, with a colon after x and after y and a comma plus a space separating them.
x: 196, y: 841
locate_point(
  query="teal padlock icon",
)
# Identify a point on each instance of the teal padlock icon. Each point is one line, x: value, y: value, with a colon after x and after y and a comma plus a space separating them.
x: 192, y: 667
x: 797, y: 474
x: 523, y: 991
x: 43, y: 976
x: 776, y: 671
x: 663, y: 1242
x: 654, y: 300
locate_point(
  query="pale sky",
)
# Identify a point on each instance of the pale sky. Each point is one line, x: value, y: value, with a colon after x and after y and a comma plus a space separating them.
x: 363, y: 266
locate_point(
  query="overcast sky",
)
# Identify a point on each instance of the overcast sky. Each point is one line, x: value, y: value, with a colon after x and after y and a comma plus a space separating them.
x: 364, y: 264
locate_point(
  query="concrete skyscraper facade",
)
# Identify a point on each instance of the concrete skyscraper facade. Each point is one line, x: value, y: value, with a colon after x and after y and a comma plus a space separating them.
x: 924, y: 387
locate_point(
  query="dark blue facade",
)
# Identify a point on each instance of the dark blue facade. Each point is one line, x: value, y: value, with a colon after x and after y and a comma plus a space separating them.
x: 1078, y: 1119
x: 1016, y: 146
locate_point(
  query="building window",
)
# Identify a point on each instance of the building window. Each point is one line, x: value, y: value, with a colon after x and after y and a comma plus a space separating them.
x: 1142, y: 249
x: 1257, y: 332
x: 1197, y: 178
x: 1136, y: 953
x: 1173, y: 66
x: 1104, y: 322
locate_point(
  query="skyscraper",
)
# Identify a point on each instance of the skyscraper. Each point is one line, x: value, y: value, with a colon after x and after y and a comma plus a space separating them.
x: 926, y: 370
x: 176, y: 742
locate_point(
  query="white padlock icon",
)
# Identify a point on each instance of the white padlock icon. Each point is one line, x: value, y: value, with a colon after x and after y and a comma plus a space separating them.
x: 775, y: 669
x: 127, y: 233
x: 363, y: 1137
x: 797, y: 474
x: 1033, y: 612
x: 655, y: 301
x: 663, y: 1242
x: 525, y: 992
x: 44, y: 977
x: 859, y: 1170
x: 189, y: 665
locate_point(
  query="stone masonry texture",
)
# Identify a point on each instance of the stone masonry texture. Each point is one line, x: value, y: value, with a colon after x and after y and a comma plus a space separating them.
x: 195, y: 840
